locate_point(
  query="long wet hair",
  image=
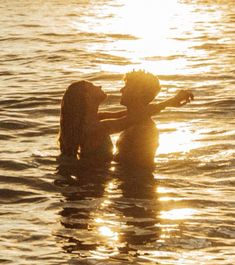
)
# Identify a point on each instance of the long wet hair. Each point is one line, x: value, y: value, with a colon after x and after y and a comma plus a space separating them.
x: 72, y: 117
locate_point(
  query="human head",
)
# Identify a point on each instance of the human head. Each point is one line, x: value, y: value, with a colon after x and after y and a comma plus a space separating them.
x: 140, y: 87
x: 77, y: 100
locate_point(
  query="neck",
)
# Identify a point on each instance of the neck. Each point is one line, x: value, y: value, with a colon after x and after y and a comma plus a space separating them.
x: 138, y: 108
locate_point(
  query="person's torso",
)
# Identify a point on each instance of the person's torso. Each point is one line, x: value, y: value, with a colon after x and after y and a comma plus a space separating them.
x: 138, y: 144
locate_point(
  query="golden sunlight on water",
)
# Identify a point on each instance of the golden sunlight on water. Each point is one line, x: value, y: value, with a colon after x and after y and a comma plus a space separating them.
x: 107, y: 232
x: 151, y: 23
x: 181, y: 139
x: 178, y: 214
x: 59, y: 213
x: 106, y: 224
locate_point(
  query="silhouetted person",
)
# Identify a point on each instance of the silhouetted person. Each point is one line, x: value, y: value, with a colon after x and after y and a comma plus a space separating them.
x: 137, y: 145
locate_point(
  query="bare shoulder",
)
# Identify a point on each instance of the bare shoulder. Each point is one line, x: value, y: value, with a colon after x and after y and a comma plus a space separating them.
x: 144, y: 135
x: 141, y: 130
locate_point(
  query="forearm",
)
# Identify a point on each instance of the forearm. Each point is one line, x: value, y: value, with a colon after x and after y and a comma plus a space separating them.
x: 180, y: 99
x: 103, y: 115
x: 117, y: 125
x: 112, y: 126
x: 157, y: 108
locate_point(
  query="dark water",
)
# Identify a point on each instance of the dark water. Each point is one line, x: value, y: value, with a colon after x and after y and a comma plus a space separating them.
x: 183, y: 212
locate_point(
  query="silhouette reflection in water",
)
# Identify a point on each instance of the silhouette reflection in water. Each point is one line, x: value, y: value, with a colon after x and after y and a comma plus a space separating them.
x: 108, y: 211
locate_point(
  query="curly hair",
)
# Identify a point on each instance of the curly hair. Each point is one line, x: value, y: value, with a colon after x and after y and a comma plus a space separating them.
x: 146, y: 84
x: 73, y: 109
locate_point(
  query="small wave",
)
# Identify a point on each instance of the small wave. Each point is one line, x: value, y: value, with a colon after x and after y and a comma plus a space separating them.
x: 108, y: 58
x: 45, y: 160
x: 50, y: 130
x: 122, y: 36
x: 6, y: 137
x: 229, y: 181
x: 55, y: 58
x: 31, y: 102
x: 224, y: 232
x: 188, y: 243
x: 53, y: 34
x: 27, y: 39
x: 203, y: 77
x: 30, y: 134
x: 211, y: 46
x: 170, y: 57
x: 6, y: 193
x: 224, y: 103
x: 24, y: 60
x: 14, y: 165
x: 103, y: 76
x: 16, y: 38
x: 103, y: 36
x: 6, y: 73
x: 30, y: 182
x: 12, y: 124
x: 30, y: 25
x: 8, y: 101
x: 50, y: 111
x: 18, y: 196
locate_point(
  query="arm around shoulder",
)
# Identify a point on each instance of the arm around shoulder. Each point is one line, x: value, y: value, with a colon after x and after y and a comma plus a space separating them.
x: 103, y: 115
x: 112, y: 126
x: 117, y: 125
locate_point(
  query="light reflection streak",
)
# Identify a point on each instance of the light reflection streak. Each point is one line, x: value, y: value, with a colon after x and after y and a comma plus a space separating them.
x: 178, y: 214
x: 167, y: 199
x: 164, y: 190
x: 106, y: 223
x: 102, y: 253
x: 169, y: 219
x: 182, y: 139
x: 106, y: 203
x: 107, y: 232
x: 148, y: 27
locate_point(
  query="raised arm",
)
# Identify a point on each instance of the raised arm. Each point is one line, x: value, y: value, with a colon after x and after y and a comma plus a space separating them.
x: 104, y: 115
x: 181, y: 98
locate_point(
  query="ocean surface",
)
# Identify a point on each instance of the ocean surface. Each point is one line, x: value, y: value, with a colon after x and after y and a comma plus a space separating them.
x: 181, y: 213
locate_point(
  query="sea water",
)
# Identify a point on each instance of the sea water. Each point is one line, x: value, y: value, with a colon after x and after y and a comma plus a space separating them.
x: 183, y: 211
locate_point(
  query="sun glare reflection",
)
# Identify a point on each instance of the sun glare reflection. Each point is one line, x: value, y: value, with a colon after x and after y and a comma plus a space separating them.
x: 146, y: 34
x: 167, y: 199
x: 106, y: 223
x: 178, y: 214
x: 107, y: 232
x: 142, y: 16
x: 164, y: 190
x: 151, y: 23
x: 112, y: 190
x: 182, y: 139
x: 105, y: 203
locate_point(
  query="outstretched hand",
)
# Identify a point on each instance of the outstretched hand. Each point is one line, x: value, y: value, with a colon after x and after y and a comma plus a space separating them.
x: 181, y: 98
